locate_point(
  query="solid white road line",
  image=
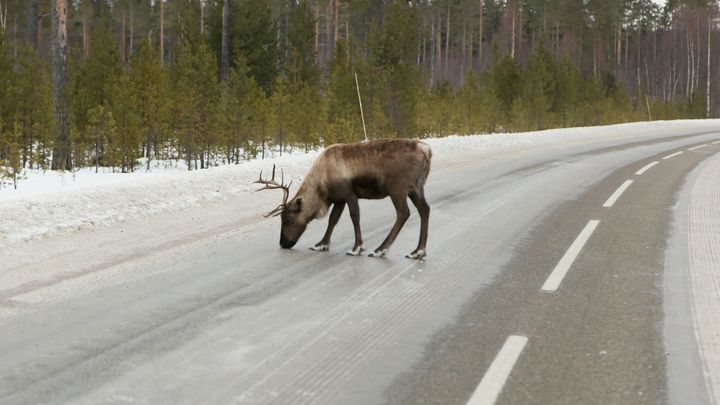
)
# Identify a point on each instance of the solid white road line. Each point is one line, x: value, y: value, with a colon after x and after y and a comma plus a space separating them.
x: 672, y: 155
x: 646, y: 168
x: 491, y: 385
x: 611, y: 201
x: 698, y: 147
x: 715, y: 142
x: 553, y: 281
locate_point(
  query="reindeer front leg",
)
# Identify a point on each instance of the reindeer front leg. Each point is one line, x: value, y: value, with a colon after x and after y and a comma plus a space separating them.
x: 324, y: 244
x: 354, y: 209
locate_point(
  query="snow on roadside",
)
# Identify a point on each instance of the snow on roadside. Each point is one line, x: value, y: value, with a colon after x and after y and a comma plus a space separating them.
x: 55, y: 203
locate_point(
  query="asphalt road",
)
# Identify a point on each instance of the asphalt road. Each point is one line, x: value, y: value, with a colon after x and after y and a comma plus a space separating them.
x: 550, y: 279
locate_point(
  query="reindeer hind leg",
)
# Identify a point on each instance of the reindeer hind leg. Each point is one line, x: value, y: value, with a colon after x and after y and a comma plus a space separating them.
x: 418, y: 199
x: 403, y: 213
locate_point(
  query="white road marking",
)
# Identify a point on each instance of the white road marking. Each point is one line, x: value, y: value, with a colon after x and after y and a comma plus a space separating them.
x: 491, y: 385
x: 698, y: 147
x: 672, y: 155
x: 715, y: 142
x: 646, y: 168
x: 553, y: 281
x: 614, y: 197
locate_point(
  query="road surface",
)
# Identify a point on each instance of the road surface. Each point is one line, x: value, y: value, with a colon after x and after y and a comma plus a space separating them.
x: 582, y: 272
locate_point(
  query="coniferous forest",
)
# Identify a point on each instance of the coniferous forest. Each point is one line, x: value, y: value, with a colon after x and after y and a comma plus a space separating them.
x: 105, y: 83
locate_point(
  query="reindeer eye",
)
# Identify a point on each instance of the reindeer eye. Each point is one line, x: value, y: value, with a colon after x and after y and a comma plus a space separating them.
x: 287, y: 221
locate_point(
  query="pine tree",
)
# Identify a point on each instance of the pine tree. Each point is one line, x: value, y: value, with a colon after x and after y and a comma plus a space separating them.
x: 504, y: 81
x: 126, y: 146
x: 92, y: 83
x: 533, y: 109
x: 342, y: 109
x: 150, y: 80
x: 394, y: 63
x: 101, y: 126
x: 252, y: 31
x: 34, y: 115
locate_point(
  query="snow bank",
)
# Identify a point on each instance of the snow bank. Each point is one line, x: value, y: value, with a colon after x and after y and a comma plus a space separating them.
x: 49, y: 203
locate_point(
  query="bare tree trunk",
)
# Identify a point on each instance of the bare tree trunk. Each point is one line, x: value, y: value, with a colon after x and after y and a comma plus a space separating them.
x: 462, y: 54
x: 432, y: 50
x: 707, y: 88
x: 595, y: 57
x: 438, y: 48
x: 698, y: 59
x: 32, y: 20
x: 480, y: 42
x: 3, y: 17
x: 202, y: 17
x: 447, y: 39
x: 328, y: 33
x: 225, y: 51
x: 86, y: 40
x: 627, y: 49
x: 637, y: 62
x: 317, y: 32
x: 688, y: 67
x: 557, y: 39
x: 512, y: 35
x: 618, y: 50
x: 61, y: 153
x: 132, y: 32
x: 122, y: 37
x: 336, y: 24
x: 162, y: 33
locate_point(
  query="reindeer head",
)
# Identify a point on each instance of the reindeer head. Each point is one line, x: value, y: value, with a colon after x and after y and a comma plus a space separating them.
x: 293, y: 222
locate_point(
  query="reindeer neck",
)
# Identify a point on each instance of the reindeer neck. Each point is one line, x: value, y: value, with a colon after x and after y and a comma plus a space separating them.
x: 314, y: 195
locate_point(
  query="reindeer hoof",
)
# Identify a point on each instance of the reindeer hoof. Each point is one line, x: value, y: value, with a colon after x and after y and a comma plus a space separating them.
x: 320, y: 248
x: 356, y: 252
x: 378, y: 253
x: 418, y: 254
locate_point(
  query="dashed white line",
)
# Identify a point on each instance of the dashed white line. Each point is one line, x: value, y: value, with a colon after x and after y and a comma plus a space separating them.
x: 698, y: 147
x: 672, y: 155
x: 646, y: 168
x: 553, y: 281
x: 491, y: 385
x: 614, y: 197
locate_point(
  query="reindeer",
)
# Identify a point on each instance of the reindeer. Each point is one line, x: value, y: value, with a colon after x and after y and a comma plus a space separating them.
x: 344, y: 173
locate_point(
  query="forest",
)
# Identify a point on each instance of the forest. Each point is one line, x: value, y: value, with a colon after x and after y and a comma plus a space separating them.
x: 122, y: 83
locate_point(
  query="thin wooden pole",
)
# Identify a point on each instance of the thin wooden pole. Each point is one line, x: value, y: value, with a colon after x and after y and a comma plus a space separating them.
x: 362, y: 115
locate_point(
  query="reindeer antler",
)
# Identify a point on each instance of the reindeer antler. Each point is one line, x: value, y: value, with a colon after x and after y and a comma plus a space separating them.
x: 271, y: 185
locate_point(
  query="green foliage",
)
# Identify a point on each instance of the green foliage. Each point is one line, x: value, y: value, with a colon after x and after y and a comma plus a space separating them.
x: 102, y: 127
x: 287, y: 89
x: 196, y: 92
x: 152, y: 88
x: 252, y: 32
x: 538, y: 98
x: 504, y: 80
x: 344, y: 123
x: 301, y: 66
x: 394, y: 70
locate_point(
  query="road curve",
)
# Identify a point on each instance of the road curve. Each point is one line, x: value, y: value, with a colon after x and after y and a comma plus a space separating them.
x: 548, y: 281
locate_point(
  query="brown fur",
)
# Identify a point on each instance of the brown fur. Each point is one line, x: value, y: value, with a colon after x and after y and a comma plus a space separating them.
x: 344, y: 173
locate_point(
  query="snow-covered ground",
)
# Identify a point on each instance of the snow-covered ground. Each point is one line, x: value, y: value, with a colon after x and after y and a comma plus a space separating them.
x: 48, y: 203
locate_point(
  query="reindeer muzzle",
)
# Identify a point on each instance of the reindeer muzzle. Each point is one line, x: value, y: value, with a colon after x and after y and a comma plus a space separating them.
x: 286, y: 243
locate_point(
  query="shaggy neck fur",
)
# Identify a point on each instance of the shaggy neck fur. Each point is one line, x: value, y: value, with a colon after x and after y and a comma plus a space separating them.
x: 312, y: 191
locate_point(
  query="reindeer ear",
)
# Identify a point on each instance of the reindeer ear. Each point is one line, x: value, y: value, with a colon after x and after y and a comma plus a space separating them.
x: 298, y: 203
